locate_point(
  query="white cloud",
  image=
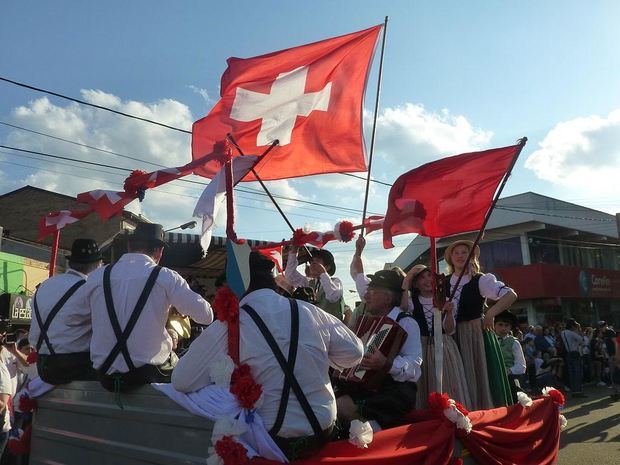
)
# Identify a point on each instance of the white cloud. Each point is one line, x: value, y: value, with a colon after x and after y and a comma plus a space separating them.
x: 203, y: 93
x: 580, y: 150
x: 410, y: 135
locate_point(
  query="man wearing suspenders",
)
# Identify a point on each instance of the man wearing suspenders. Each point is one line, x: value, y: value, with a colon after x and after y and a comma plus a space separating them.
x: 61, y: 326
x: 129, y: 303
x: 328, y: 289
x: 289, y: 345
x: 397, y: 394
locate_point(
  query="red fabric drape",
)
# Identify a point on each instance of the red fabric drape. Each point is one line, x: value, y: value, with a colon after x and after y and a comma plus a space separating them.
x: 429, y: 442
x: 503, y: 436
x: 514, y: 435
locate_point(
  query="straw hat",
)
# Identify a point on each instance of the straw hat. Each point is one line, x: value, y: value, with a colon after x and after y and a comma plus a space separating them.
x: 417, y: 269
x: 469, y: 244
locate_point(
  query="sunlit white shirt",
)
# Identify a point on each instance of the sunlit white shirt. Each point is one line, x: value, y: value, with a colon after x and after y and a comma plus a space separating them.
x: 331, y: 285
x: 407, y: 365
x: 149, y: 343
x: 323, y: 341
x: 71, y: 329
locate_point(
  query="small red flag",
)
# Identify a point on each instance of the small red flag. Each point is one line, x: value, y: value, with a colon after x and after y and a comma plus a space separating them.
x: 275, y: 255
x: 309, y: 98
x: 106, y: 203
x: 447, y: 196
x: 55, y: 221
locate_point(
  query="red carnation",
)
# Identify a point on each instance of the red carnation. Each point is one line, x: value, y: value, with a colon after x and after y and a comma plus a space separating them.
x: 226, y: 305
x: 27, y: 404
x: 457, y: 461
x: 299, y: 237
x: 344, y: 231
x: 438, y: 401
x: 557, y: 397
x: 244, y: 388
x: 32, y: 357
x: 131, y: 185
x: 231, y: 452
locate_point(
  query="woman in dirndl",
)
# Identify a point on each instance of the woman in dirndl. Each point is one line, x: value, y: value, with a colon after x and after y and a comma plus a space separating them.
x: 419, y: 281
x: 480, y: 351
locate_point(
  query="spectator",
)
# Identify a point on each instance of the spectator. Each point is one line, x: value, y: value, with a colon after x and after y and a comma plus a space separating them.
x: 547, y: 332
x: 598, y: 357
x: 587, y: 356
x: 529, y: 334
x: 540, y: 341
x: 573, y: 342
x: 6, y: 388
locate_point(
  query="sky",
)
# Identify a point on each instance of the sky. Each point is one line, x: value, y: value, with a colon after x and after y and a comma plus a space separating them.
x: 458, y: 76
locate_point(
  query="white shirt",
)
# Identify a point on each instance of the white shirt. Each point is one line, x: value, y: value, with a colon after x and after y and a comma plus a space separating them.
x: 6, y: 388
x: 331, y: 285
x: 427, y: 305
x: 407, y: 365
x: 323, y: 341
x: 71, y: 329
x: 149, y: 343
x: 488, y: 285
x: 11, y: 364
x: 573, y: 342
x: 519, y: 366
x: 361, y: 284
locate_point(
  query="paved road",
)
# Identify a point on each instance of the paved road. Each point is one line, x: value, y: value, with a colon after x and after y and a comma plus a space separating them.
x: 593, y: 432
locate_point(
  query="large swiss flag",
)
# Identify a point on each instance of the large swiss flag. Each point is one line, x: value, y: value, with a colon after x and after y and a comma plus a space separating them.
x: 309, y: 98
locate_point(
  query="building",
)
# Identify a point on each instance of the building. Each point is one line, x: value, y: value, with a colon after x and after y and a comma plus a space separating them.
x: 562, y: 259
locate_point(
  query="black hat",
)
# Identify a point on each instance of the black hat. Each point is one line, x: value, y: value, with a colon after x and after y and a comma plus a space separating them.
x: 84, y: 251
x: 387, y: 279
x: 508, y: 317
x: 328, y: 260
x: 261, y: 274
x: 150, y: 232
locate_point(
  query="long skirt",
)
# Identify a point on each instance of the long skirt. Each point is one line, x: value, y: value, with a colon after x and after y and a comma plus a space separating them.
x: 453, y: 381
x: 471, y: 344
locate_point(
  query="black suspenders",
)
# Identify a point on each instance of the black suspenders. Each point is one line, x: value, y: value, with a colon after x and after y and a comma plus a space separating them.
x: 123, y: 335
x: 44, y: 327
x: 290, y: 381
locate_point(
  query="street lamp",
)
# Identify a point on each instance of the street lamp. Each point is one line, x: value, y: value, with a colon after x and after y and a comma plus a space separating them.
x: 188, y: 225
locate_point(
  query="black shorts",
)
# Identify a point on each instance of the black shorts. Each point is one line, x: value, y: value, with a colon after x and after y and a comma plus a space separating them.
x: 389, y: 405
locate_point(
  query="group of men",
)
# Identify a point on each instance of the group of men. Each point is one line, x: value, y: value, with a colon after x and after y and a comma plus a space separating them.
x: 109, y: 324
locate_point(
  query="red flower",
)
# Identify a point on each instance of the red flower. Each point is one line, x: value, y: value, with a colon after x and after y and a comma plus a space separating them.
x: 231, y: 452
x: 26, y: 404
x: 244, y: 388
x: 32, y: 357
x: 299, y: 237
x: 438, y: 401
x: 457, y: 461
x: 557, y: 397
x: 226, y: 305
x: 131, y: 184
x: 461, y: 408
x: 345, y: 231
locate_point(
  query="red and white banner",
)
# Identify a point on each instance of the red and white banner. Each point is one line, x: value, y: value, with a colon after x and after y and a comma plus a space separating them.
x: 275, y: 255
x: 55, y: 221
x: 309, y: 98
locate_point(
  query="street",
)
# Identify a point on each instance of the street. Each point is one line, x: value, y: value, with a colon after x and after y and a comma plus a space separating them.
x: 593, y: 432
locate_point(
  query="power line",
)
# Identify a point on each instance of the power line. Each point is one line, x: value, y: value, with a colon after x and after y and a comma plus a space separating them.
x: 72, y: 99
x: 83, y: 102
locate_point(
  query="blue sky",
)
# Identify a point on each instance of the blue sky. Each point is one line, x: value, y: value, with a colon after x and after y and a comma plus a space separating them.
x: 457, y: 76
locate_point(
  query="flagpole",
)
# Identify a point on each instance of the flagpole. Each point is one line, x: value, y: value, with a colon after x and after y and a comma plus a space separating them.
x: 374, y: 124
x: 437, y: 321
x: 521, y: 144
x: 54, y: 253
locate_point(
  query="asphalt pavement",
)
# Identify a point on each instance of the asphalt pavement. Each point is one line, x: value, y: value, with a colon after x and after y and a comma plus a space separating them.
x: 592, y: 435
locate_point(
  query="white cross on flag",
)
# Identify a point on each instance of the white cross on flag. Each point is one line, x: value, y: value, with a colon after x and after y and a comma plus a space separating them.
x: 309, y: 98
x: 55, y: 221
x: 106, y: 203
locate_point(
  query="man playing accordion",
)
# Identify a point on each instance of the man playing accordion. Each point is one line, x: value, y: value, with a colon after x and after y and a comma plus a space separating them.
x: 387, y: 389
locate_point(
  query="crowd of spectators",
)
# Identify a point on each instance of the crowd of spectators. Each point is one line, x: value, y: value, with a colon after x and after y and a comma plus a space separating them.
x: 567, y: 356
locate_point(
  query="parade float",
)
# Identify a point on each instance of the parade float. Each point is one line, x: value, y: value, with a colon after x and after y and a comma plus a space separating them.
x: 300, y: 109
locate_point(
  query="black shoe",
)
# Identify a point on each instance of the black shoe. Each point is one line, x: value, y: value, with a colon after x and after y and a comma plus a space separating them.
x: 579, y: 394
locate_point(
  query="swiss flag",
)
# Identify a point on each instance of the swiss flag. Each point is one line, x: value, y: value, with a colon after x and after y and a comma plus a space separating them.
x: 55, y: 221
x: 309, y: 98
x: 447, y: 196
x: 275, y: 255
x: 106, y: 203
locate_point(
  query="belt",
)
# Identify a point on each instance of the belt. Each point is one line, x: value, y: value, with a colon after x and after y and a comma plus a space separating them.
x: 304, y: 446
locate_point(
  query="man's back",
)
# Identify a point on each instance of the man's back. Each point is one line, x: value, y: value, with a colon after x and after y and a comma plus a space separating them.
x: 322, y: 339
x: 149, y: 342
x: 70, y: 331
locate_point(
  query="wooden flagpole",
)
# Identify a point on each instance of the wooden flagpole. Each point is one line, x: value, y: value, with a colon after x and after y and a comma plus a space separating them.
x: 437, y: 321
x: 374, y: 124
x: 522, y: 143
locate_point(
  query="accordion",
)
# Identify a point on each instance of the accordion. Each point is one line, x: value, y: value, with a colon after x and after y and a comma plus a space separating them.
x: 377, y: 333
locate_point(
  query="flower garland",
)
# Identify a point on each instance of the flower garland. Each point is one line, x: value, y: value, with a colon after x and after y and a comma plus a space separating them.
x: 452, y: 410
x: 559, y: 400
x: 229, y: 372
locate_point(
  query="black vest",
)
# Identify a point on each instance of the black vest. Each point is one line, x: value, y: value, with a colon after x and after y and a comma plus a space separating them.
x: 471, y: 302
x: 419, y: 316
